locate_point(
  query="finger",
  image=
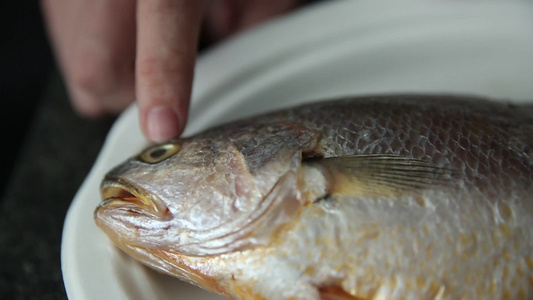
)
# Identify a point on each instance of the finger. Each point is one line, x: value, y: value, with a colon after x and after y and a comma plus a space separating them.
x: 167, y: 40
x: 227, y: 17
x: 94, y: 44
x: 221, y: 19
x: 254, y: 12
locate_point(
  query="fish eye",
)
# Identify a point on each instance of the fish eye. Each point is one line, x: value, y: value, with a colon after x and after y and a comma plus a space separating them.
x: 160, y: 152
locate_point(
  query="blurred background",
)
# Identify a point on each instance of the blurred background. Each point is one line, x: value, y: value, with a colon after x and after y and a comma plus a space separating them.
x: 48, y: 152
x: 26, y: 63
x: 46, y: 158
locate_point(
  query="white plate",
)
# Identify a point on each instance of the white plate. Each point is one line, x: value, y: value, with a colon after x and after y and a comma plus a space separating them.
x: 327, y: 50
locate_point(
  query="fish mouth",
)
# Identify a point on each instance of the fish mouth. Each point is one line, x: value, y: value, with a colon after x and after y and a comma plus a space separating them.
x: 121, y: 193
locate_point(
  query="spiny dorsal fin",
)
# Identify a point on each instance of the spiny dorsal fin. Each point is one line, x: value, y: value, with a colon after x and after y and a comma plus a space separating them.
x: 381, y: 175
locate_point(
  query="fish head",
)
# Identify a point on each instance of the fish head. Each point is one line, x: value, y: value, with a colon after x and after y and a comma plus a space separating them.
x: 199, y: 197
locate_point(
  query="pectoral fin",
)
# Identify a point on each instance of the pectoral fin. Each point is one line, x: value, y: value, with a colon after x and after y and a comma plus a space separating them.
x: 336, y: 293
x: 381, y: 175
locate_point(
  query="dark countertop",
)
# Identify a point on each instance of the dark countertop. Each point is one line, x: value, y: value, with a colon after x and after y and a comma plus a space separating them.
x: 55, y: 158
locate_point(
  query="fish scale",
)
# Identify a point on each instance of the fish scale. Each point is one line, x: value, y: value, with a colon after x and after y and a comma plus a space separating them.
x: 395, y: 197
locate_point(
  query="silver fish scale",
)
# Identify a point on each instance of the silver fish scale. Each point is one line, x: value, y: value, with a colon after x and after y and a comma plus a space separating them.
x: 259, y: 185
x: 474, y: 138
x: 479, y: 140
x: 482, y: 140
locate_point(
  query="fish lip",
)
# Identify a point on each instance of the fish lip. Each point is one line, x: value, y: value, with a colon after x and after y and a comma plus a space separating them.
x: 116, y: 191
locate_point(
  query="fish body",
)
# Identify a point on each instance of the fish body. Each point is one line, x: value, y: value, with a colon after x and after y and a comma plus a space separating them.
x: 385, y: 197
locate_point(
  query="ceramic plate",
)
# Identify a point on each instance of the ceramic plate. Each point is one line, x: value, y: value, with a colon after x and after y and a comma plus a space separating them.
x: 327, y: 50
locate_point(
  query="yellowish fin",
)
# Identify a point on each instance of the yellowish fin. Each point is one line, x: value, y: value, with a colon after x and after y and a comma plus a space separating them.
x: 381, y: 175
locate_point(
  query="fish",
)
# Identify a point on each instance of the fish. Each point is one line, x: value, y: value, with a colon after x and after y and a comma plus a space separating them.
x: 406, y: 196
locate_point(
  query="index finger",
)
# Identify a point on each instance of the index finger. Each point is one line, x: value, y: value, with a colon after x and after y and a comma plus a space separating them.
x: 167, y: 38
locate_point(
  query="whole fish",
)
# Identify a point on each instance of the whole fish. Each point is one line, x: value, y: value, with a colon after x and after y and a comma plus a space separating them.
x: 382, y: 197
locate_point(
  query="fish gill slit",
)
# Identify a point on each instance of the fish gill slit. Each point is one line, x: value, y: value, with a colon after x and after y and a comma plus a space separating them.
x: 322, y: 198
x: 312, y: 155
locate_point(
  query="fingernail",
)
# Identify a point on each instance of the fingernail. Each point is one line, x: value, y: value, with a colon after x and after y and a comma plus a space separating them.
x: 162, y: 124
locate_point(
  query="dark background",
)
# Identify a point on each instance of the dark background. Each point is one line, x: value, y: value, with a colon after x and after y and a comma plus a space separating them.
x: 47, y: 149
x: 26, y: 63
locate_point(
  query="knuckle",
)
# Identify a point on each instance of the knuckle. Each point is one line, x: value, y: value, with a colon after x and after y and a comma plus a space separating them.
x: 92, y: 73
x: 162, y: 81
x: 157, y: 72
x: 148, y: 67
x: 153, y: 67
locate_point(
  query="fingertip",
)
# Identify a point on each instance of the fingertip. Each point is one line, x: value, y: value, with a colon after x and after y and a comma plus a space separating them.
x: 162, y: 124
x: 167, y: 39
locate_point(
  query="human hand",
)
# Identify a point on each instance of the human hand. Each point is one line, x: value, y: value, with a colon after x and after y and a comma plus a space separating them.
x: 112, y: 52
